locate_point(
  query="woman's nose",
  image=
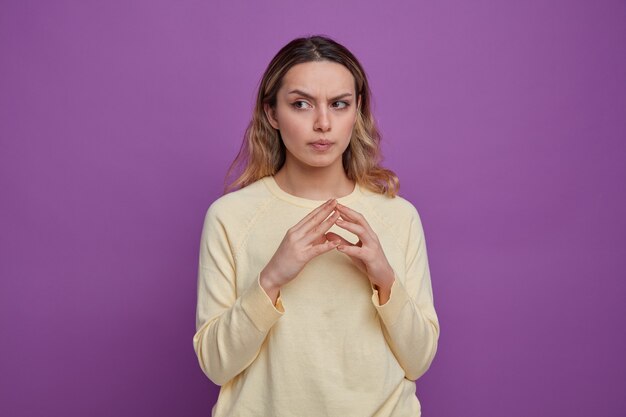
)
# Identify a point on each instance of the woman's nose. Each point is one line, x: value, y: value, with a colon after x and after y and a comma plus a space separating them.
x: 322, y: 122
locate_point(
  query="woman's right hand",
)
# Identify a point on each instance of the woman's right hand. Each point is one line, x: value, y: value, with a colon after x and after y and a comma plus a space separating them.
x: 301, y: 243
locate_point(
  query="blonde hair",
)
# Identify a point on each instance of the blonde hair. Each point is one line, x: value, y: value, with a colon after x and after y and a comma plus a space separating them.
x: 262, y: 151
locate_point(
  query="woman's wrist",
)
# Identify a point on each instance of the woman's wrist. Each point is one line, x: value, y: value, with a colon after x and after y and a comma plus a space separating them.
x: 270, y: 288
x: 384, y: 287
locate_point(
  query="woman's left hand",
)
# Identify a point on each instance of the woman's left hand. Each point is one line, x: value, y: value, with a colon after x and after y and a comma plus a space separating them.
x: 367, y: 254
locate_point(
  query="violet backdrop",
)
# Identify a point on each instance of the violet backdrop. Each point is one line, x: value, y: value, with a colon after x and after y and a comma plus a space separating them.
x: 505, y: 121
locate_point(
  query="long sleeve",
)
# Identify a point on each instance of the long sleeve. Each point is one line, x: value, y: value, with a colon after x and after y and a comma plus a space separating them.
x: 230, y: 328
x: 410, y: 323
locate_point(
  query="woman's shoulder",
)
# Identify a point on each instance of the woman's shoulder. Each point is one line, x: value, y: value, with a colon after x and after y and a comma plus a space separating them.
x: 238, y: 203
x: 397, y: 216
x: 396, y: 207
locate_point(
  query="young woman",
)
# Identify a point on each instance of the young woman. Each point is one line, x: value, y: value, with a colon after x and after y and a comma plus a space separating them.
x: 314, y: 291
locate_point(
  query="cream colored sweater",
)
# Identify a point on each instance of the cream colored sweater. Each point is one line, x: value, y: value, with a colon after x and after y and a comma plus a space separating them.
x: 327, y: 348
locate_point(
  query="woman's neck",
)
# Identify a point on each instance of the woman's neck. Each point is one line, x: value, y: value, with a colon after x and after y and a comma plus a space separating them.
x: 314, y: 183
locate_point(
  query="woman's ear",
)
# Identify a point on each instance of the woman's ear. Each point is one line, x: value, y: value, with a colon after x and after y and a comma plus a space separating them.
x: 271, y: 115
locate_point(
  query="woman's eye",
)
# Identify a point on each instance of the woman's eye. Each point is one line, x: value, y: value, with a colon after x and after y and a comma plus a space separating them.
x: 344, y: 104
x: 296, y: 104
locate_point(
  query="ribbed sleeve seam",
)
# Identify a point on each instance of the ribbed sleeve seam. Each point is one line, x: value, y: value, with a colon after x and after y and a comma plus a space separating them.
x: 398, y: 299
x: 259, y: 308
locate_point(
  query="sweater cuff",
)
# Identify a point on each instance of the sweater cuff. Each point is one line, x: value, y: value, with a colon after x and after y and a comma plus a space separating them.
x: 259, y: 308
x: 398, y: 299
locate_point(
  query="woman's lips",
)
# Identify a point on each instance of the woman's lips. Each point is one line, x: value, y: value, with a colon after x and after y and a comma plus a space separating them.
x: 321, y: 146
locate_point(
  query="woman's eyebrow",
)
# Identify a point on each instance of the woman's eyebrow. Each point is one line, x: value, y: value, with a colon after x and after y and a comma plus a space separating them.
x: 302, y: 93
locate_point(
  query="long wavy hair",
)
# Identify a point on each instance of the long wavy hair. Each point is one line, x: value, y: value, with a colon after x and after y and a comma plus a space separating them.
x: 262, y: 151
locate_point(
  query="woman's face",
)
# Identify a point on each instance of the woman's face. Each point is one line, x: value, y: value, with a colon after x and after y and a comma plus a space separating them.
x: 316, y: 103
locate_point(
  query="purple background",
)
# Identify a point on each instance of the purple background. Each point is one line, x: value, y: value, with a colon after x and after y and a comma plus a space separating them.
x: 505, y: 121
